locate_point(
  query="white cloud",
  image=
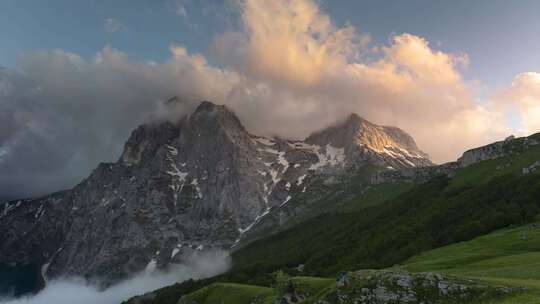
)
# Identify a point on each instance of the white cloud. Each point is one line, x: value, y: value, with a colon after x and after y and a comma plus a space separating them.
x: 300, y: 72
x: 76, y: 290
x: 523, y: 96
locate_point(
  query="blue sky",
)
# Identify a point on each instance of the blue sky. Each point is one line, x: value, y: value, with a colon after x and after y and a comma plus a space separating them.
x: 500, y: 37
x: 147, y: 30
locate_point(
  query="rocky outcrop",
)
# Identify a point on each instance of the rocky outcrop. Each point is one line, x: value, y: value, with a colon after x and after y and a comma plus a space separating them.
x: 199, y: 183
x: 497, y: 149
x: 483, y: 153
x: 379, y: 286
x: 417, y: 174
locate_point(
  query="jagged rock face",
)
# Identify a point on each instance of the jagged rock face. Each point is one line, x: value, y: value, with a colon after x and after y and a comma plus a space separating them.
x: 196, y: 184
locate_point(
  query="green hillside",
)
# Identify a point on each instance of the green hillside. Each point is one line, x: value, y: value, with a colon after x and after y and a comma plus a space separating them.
x: 437, y: 213
x: 219, y: 293
x: 310, y: 288
x: 509, y: 256
x: 504, y: 255
x: 367, y: 286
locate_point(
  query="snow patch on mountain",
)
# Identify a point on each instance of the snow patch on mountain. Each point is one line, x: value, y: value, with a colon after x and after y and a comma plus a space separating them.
x: 329, y: 156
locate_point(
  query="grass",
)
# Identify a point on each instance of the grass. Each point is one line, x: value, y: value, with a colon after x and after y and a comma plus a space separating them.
x: 373, y: 196
x: 484, y: 171
x: 520, y: 298
x: 509, y: 256
x: 314, y: 284
x: 318, y: 289
x: 495, y: 254
x: 219, y: 293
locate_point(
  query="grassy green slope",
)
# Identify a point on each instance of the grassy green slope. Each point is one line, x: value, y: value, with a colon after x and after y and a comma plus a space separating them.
x: 372, y: 196
x: 509, y: 256
x: 321, y: 290
x: 511, y: 253
x: 484, y: 171
x: 352, y: 194
x: 219, y: 293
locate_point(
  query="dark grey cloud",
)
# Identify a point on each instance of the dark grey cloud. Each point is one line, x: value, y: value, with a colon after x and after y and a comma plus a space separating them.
x: 60, y: 114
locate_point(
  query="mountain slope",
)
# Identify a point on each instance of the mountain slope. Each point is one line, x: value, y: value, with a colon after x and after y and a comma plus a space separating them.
x: 362, y: 287
x: 509, y: 256
x: 361, y: 140
x: 439, y: 212
x: 200, y: 183
x: 372, y: 230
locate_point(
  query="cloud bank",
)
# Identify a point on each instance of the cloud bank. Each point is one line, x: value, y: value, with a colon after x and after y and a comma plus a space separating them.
x: 522, y: 97
x: 288, y: 71
x: 61, y: 115
x: 75, y: 290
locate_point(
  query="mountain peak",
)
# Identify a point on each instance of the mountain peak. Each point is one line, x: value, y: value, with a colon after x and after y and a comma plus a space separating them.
x: 210, y: 114
x: 355, y: 118
x: 205, y: 120
x: 359, y: 136
x: 206, y: 106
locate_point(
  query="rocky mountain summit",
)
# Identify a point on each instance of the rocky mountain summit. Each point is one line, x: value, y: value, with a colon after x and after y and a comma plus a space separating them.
x: 197, y: 184
x: 361, y: 140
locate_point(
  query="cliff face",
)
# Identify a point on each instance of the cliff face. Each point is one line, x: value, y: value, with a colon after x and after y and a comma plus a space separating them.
x: 200, y: 183
x: 497, y: 149
x: 483, y: 153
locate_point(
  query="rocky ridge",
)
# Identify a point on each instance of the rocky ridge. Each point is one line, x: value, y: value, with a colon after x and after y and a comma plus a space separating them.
x: 509, y: 146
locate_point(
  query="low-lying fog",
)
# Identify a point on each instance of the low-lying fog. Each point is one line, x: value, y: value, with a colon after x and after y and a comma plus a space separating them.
x: 76, y: 290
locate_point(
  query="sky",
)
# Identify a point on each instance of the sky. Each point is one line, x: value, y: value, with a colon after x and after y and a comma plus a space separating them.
x: 77, y: 76
x: 494, y: 33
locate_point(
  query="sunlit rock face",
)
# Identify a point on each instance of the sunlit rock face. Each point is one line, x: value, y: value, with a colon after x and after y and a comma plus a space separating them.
x: 196, y: 184
x: 362, y: 140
